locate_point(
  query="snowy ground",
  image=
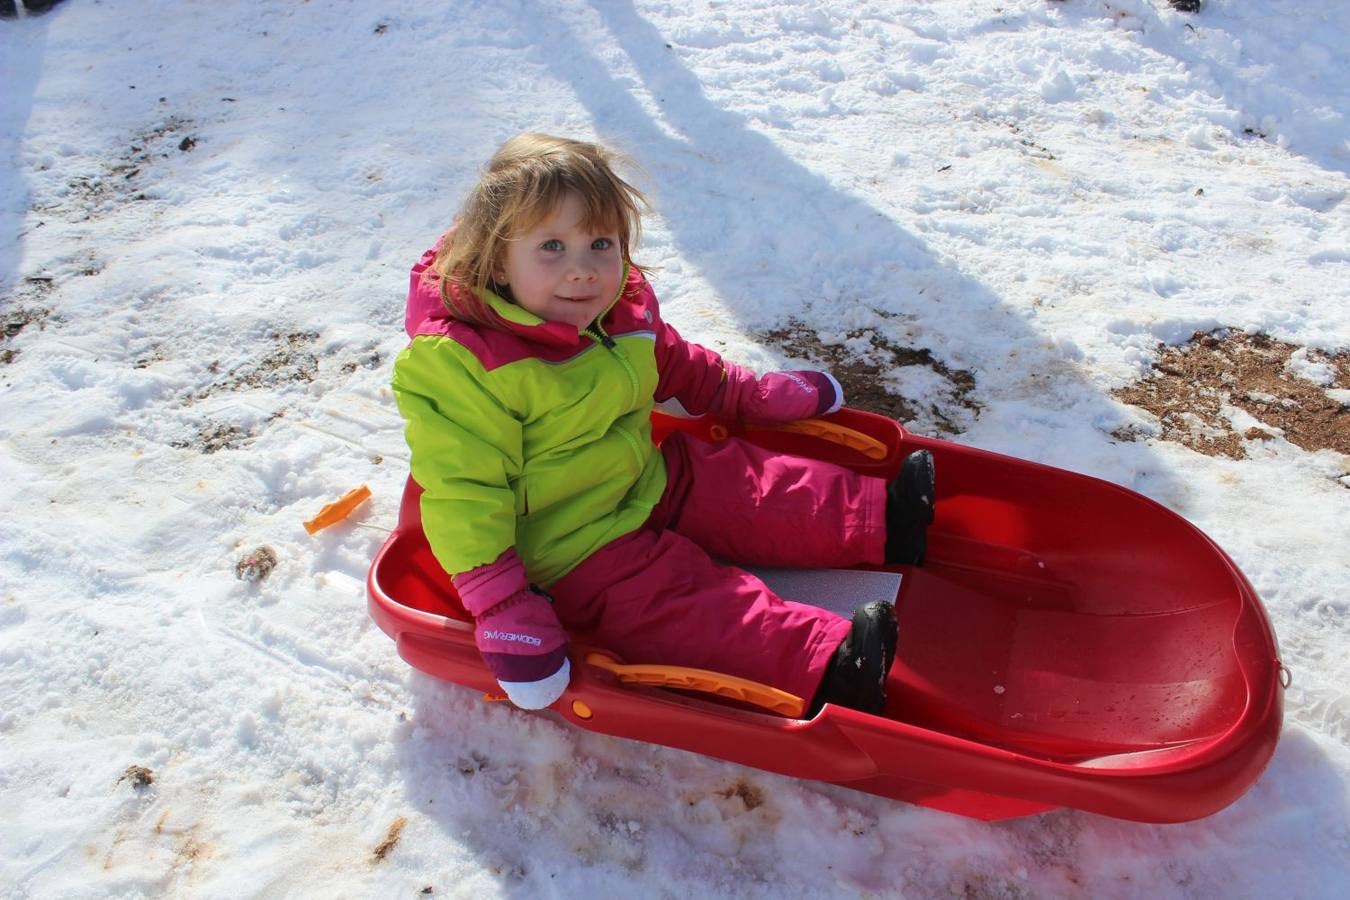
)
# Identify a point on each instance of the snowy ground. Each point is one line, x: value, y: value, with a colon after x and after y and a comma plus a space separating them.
x: 204, y: 240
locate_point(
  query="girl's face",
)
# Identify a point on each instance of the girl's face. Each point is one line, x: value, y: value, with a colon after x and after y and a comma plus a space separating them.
x: 562, y: 271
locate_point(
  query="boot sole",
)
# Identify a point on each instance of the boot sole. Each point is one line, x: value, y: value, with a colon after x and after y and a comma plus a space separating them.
x: 876, y: 628
x: 917, y: 483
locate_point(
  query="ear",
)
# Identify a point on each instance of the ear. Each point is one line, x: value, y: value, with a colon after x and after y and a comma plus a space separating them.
x: 499, y: 274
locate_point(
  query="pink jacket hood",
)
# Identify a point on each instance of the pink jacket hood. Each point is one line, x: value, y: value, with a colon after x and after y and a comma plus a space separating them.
x: 427, y: 314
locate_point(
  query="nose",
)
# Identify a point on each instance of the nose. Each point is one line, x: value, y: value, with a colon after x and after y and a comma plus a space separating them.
x: 582, y: 271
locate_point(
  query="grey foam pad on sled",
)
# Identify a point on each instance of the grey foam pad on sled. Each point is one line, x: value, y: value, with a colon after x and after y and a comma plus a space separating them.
x: 838, y: 590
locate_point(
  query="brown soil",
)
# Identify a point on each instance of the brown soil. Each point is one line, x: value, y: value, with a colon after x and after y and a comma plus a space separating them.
x: 863, y: 376
x: 124, y: 178
x: 290, y: 360
x: 1191, y: 386
x: 20, y: 310
x: 215, y: 436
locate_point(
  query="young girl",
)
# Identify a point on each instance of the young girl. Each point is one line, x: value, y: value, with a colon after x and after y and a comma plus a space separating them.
x: 537, y: 354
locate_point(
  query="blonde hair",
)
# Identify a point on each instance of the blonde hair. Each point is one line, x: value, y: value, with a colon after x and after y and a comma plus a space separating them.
x: 524, y: 181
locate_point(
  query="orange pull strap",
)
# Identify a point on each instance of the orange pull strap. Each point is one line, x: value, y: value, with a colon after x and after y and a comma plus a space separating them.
x: 703, y: 681
x: 851, y: 438
x: 339, y: 510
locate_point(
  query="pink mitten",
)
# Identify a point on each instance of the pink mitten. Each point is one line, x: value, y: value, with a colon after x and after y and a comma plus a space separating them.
x: 517, y: 632
x: 775, y: 397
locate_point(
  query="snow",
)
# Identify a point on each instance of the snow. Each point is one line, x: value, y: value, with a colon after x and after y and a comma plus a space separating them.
x: 207, y: 227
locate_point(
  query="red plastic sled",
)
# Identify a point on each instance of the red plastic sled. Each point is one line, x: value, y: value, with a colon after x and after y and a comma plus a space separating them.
x: 1068, y: 643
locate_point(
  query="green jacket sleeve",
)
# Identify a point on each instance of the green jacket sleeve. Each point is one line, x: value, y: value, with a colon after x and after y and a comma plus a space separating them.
x: 466, y: 452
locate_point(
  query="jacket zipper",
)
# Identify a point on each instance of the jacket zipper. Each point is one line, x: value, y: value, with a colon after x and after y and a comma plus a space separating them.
x: 609, y: 344
x: 598, y: 333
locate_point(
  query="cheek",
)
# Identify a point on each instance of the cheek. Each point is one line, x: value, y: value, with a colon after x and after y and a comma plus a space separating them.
x: 524, y: 272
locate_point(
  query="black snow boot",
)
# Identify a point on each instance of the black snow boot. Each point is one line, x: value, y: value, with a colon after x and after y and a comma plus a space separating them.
x: 9, y: 9
x: 909, y: 510
x: 856, y: 676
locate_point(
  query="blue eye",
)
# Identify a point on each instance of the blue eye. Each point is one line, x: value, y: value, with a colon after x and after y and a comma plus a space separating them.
x: 552, y: 244
x: 601, y: 244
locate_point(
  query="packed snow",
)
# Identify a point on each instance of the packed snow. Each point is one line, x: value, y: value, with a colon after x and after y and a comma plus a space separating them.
x: 205, y: 232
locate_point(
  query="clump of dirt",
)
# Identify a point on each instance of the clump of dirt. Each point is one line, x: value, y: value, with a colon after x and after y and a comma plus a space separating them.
x: 748, y: 794
x: 256, y: 565
x: 1193, y: 389
x: 863, y: 375
x: 290, y: 360
x: 386, y: 846
x: 139, y: 776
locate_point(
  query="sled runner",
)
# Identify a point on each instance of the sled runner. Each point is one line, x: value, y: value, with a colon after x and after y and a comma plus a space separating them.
x: 1068, y: 643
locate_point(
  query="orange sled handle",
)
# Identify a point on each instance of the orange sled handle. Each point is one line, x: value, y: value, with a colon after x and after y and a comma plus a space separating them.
x: 842, y: 435
x: 703, y: 681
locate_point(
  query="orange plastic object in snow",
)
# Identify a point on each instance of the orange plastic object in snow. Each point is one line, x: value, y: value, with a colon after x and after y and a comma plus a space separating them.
x: 337, y: 511
x: 1067, y: 643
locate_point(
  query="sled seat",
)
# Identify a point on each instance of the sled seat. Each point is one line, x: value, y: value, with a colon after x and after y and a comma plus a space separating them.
x: 1065, y: 617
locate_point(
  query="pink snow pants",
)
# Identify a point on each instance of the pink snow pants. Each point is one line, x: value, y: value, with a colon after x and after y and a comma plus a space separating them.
x: 657, y: 595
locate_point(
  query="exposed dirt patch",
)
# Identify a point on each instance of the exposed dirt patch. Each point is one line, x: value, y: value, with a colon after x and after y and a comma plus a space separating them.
x: 864, y: 374
x: 11, y: 323
x: 1197, y: 389
x: 215, y: 436
x: 123, y: 179
x: 34, y: 286
x: 22, y: 309
x: 290, y: 360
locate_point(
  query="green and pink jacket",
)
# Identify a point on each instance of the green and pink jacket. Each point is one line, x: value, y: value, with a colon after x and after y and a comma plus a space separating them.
x: 537, y: 436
